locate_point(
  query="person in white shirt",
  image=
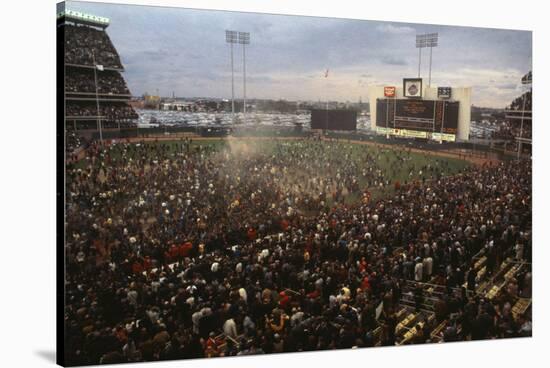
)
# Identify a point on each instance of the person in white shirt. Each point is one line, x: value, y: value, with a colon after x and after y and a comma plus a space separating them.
x: 519, y: 251
x: 132, y: 296
x: 243, y: 295
x: 196, y: 318
x: 427, y: 266
x: 230, y: 328
x: 418, y: 272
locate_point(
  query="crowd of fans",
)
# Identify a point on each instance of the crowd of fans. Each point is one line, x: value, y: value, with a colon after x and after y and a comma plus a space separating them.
x: 518, y: 103
x: 88, y: 46
x: 84, y: 45
x: 111, y: 111
x: 509, y: 130
x: 83, y: 81
x: 169, y: 247
x: 73, y: 141
x: 512, y: 128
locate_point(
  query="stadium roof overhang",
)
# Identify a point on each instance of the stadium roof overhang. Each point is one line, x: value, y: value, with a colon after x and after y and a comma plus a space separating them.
x: 83, y: 18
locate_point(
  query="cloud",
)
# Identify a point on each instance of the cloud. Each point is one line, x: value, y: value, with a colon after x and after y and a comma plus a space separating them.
x: 393, y: 60
x: 184, y: 50
x: 391, y: 29
x: 508, y: 86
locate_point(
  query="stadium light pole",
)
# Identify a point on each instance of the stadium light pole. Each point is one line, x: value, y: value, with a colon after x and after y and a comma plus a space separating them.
x: 231, y: 38
x: 244, y: 39
x: 420, y: 43
x: 426, y: 40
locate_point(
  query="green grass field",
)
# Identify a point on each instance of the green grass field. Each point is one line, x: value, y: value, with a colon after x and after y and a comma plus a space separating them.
x: 387, y: 159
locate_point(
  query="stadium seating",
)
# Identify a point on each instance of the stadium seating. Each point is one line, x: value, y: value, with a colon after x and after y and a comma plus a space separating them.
x: 520, y: 109
x: 81, y: 80
x: 86, y: 48
x: 111, y: 111
x: 85, y: 44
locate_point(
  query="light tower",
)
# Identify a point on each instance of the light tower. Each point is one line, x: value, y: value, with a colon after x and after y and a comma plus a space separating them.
x: 231, y: 38
x: 244, y: 39
x: 422, y: 41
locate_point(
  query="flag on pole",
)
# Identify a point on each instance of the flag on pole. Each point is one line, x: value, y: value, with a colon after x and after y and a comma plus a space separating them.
x: 99, y: 67
x: 326, y: 73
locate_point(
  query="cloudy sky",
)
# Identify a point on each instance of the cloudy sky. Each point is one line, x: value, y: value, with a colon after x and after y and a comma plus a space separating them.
x: 184, y: 51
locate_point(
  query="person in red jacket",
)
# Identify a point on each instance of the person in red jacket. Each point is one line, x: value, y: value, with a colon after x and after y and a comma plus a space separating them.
x: 397, y: 185
x: 184, y: 249
x: 284, y: 224
x: 284, y: 300
x: 173, y: 253
x: 251, y: 233
x: 147, y: 264
x: 314, y: 294
x: 365, y: 284
x: 137, y: 267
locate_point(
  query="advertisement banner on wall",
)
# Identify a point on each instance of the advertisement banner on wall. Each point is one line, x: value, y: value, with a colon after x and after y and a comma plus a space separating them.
x: 416, y: 134
x: 382, y: 130
x: 389, y: 91
x: 413, y: 133
x: 444, y: 137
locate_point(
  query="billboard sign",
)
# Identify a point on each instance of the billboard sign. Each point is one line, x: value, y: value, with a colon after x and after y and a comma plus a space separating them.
x: 389, y: 91
x: 444, y: 137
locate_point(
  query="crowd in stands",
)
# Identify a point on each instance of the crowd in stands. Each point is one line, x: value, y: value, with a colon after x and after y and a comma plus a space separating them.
x: 518, y: 103
x: 82, y: 80
x: 512, y: 127
x: 509, y: 130
x: 170, y: 247
x: 72, y: 141
x: 111, y: 111
x: 82, y: 45
x: 85, y: 44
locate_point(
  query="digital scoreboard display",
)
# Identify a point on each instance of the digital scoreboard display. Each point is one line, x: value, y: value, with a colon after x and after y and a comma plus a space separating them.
x: 333, y: 119
x: 420, y: 117
x: 417, y: 109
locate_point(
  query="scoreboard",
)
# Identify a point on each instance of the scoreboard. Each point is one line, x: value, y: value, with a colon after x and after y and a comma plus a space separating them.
x: 417, y: 118
x: 333, y: 119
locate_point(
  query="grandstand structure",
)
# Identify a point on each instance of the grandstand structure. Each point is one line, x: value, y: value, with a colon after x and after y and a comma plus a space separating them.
x: 96, y: 96
x: 519, y: 117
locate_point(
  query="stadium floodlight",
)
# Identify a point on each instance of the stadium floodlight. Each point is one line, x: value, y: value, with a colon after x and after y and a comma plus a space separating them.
x: 420, y: 44
x: 244, y: 39
x: 231, y: 38
x: 422, y: 41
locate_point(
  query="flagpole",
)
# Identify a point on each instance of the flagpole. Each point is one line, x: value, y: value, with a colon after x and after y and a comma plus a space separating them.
x: 97, y: 100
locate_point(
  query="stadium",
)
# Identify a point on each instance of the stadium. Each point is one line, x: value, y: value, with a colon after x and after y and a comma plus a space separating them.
x: 246, y: 233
